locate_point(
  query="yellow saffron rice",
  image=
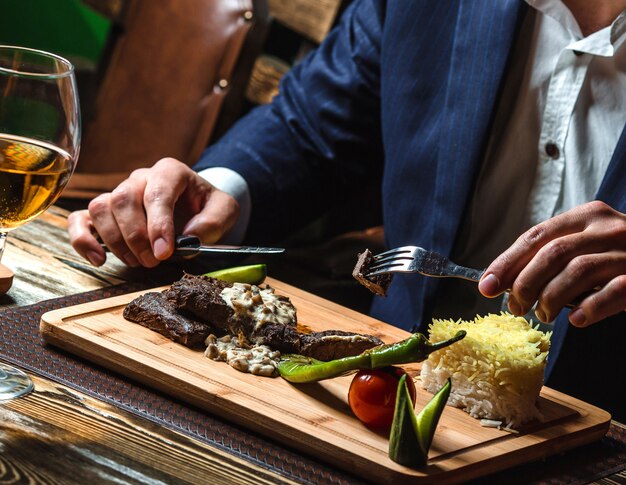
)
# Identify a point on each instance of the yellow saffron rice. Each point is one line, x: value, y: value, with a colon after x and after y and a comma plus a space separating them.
x: 496, y: 370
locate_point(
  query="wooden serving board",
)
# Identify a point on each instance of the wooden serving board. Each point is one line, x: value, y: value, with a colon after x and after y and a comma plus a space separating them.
x: 315, y: 418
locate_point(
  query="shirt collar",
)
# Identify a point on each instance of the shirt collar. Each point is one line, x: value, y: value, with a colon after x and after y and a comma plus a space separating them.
x: 604, y: 42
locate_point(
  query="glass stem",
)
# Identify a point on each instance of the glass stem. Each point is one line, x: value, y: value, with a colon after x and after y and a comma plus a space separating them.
x: 3, y: 240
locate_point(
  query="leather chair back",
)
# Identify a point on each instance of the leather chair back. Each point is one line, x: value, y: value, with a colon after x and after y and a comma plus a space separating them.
x: 174, y: 81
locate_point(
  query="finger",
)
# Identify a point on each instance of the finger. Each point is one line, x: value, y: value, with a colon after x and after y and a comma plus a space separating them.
x: 128, y: 211
x: 216, y: 218
x: 583, y: 275
x: 604, y: 303
x: 168, y: 180
x: 80, y: 229
x: 106, y: 227
x: 552, y: 260
x: 502, y: 272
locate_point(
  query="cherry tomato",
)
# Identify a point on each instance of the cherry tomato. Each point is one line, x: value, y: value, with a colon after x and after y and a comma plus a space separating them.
x: 372, y: 395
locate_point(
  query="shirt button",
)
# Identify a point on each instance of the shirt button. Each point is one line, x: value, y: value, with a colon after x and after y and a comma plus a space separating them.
x: 552, y: 150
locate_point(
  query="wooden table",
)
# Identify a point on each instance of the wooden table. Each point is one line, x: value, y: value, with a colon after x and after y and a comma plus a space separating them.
x: 59, y: 435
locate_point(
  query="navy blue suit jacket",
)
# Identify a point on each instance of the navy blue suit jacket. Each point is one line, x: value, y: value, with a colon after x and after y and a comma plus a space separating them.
x: 406, y: 89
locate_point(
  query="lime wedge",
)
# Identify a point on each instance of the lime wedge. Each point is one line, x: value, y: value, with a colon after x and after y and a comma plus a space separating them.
x: 251, y: 273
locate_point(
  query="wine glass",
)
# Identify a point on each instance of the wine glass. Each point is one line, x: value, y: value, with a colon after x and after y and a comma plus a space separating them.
x: 39, y: 144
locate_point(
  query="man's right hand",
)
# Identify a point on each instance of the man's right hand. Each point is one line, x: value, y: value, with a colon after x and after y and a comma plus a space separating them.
x: 139, y: 219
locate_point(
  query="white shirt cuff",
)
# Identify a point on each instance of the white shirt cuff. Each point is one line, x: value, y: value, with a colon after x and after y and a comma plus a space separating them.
x: 232, y: 183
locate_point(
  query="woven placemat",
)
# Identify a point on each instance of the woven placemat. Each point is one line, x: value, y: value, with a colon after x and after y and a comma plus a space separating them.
x: 21, y: 344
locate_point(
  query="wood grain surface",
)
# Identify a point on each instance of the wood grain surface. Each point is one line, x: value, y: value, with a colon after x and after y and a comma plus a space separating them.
x: 59, y: 436
x: 315, y: 418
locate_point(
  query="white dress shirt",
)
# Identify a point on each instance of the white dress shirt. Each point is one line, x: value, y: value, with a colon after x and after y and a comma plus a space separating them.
x: 232, y: 183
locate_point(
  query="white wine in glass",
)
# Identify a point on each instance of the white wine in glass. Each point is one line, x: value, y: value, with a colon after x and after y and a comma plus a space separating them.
x: 39, y: 144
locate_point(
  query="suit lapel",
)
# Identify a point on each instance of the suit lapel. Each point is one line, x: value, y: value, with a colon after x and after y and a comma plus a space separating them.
x: 485, y: 33
x: 613, y: 187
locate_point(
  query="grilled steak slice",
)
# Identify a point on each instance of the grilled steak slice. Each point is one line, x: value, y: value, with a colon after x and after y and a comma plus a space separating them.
x: 154, y: 311
x: 335, y: 344
x: 284, y: 338
x: 200, y: 296
x: 376, y: 284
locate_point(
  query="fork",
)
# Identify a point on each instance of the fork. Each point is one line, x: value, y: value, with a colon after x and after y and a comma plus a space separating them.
x: 413, y: 259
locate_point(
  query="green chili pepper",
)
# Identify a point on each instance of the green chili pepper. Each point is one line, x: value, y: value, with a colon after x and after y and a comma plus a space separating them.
x: 300, y: 369
x: 412, y: 435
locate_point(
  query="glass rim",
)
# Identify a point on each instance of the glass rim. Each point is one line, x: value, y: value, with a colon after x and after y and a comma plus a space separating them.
x: 49, y: 75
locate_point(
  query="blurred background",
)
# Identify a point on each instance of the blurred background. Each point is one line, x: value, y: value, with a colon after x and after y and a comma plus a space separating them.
x: 87, y: 31
x: 66, y: 27
x: 145, y: 95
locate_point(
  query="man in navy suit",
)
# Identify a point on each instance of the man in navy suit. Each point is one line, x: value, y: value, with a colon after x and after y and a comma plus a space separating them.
x: 497, y: 131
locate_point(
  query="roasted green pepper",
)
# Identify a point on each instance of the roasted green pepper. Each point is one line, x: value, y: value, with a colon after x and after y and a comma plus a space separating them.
x: 412, y: 435
x: 300, y: 369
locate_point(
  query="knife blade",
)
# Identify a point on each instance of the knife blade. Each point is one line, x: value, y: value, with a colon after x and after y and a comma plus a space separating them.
x: 190, y: 246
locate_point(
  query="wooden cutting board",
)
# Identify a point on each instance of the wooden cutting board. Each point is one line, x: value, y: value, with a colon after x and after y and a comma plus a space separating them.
x: 315, y: 418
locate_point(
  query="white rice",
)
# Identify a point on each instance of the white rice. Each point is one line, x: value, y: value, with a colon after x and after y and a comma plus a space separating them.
x: 496, y: 370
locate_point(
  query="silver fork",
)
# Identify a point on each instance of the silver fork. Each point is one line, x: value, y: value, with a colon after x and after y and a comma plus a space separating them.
x: 413, y: 259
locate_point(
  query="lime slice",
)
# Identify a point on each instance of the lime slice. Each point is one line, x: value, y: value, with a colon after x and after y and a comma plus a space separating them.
x: 251, y: 273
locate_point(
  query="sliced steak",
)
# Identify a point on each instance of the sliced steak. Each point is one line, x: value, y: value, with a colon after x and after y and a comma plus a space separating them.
x: 201, y: 296
x: 284, y: 338
x: 335, y: 344
x: 154, y: 311
x: 195, y: 306
x: 259, y: 315
x: 376, y: 284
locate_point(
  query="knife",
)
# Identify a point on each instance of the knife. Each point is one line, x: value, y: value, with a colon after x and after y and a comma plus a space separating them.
x: 188, y: 247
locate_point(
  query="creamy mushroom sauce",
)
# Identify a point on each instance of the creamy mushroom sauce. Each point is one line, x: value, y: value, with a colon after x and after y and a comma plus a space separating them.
x: 260, y: 305
x: 258, y: 360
